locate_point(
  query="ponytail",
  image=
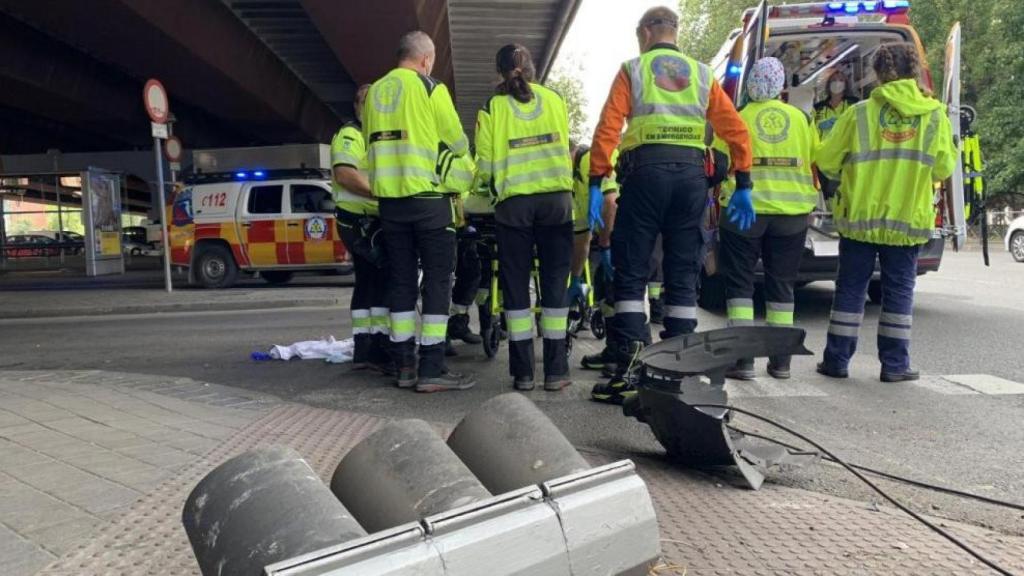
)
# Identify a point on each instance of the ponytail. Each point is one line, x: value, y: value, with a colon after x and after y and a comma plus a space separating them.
x: 515, y: 65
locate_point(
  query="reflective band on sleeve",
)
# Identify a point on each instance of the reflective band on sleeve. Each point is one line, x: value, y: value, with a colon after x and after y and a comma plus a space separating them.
x: 461, y: 145
x: 847, y: 317
x: 841, y: 330
x: 434, y: 329
x: 344, y: 158
x: 896, y: 319
x: 891, y: 332
x: 520, y: 324
x: 630, y: 307
x: 361, y: 321
x: 681, y: 312
x: 403, y: 326
x: 740, y: 309
x: 779, y: 313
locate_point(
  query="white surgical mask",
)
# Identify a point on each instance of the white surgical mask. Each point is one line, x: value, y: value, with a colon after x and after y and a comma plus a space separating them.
x: 836, y: 86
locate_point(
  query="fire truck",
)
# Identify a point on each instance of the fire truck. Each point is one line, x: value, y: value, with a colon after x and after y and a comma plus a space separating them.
x: 266, y: 211
x: 812, y: 40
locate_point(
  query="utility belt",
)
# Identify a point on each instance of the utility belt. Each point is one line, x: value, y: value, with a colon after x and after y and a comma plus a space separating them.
x: 714, y: 162
x: 369, y: 241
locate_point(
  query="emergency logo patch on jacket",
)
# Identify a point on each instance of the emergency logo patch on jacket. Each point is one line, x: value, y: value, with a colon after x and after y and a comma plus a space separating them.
x: 387, y: 93
x: 896, y: 127
x: 671, y: 73
x: 772, y: 125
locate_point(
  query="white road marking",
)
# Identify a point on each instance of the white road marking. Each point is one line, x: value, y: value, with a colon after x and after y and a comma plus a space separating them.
x: 987, y: 384
x: 941, y: 385
x: 767, y: 387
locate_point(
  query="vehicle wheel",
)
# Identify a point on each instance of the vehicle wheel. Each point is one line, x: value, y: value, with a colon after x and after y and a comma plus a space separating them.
x: 136, y: 252
x: 875, y: 291
x: 277, y: 276
x: 711, y: 293
x: 1017, y: 245
x: 491, y: 341
x: 215, y: 267
x: 597, y: 325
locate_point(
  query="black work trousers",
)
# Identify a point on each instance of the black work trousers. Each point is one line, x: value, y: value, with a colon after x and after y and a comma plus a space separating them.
x: 369, y: 304
x: 667, y: 199
x: 419, y: 233
x: 549, y: 238
x: 778, y: 241
x: 467, y: 271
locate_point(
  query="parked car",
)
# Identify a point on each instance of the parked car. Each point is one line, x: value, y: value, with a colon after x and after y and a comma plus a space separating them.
x: 31, y: 246
x: 1015, y: 239
x: 133, y: 241
x: 71, y: 242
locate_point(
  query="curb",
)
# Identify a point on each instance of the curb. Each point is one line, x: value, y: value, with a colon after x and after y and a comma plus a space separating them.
x: 171, y: 308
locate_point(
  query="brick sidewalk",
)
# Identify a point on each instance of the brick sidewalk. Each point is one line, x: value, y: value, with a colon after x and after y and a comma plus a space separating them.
x: 707, y: 526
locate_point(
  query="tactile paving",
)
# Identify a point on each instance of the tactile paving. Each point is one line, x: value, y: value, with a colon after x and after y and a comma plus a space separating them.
x: 707, y: 526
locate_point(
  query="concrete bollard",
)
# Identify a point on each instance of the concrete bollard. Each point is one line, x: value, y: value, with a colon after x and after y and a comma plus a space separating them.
x: 509, y: 443
x: 262, y: 507
x: 402, y: 473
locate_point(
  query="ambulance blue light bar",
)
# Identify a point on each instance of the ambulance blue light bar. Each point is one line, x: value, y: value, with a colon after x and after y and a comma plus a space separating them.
x: 262, y: 174
x: 845, y: 8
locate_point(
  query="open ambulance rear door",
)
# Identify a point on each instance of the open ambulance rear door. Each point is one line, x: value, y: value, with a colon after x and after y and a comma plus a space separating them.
x: 749, y: 47
x: 951, y: 201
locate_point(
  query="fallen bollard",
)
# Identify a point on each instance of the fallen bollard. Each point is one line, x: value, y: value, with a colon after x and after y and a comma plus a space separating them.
x: 509, y: 443
x: 566, y: 519
x: 401, y: 473
x: 259, y: 508
x: 676, y: 376
x: 600, y: 521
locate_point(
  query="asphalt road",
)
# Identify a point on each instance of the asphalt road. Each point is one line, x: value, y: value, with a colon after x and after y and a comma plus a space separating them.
x: 968, y: 320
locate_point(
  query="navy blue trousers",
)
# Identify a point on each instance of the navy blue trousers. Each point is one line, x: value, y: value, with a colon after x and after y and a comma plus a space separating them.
x: 668, y: 199
x: 899, y: 274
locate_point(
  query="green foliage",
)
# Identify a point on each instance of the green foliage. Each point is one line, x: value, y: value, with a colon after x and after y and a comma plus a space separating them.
x: 565, y: 79
x: 992, y: 74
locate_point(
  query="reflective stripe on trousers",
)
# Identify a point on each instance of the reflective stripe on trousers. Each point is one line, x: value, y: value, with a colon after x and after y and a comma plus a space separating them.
x: 361, y: 321
x: 520, y: 324
x: 403, y: 326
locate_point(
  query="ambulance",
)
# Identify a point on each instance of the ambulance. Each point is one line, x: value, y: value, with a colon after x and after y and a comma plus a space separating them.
x: 813, y: 41
x: 273, y: 221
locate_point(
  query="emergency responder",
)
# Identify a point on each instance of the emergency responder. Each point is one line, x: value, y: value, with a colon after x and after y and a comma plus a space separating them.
x: 771, y: 223
x: 359, y: 229
x: 457, y: 177
x: 669, y: 99
x: 408, y: 118
x: 585, y: 235
x: 888, y: 150
x: 522, y: 147
x: 655, y: 284
x: 840, y: 99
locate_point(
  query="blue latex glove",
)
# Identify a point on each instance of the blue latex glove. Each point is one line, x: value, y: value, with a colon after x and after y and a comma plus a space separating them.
x: 741, y: 209
x: 606, y: 265
x: 575, y: 289
x: 596, y: 203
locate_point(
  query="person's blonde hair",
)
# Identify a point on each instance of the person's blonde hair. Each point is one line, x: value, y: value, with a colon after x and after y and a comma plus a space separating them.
x: 897, y: 61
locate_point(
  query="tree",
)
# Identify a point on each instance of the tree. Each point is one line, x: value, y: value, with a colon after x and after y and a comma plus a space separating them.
x: 705, y: 24
x: 565, y: 79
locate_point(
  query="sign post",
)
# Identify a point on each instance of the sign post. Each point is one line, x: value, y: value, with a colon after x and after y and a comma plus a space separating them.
x: 155, y: 98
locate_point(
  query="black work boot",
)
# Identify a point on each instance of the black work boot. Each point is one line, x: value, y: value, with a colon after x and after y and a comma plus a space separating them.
x: 778, y: 367
x: 380, y: 361
x: 619, y: 387
x: 908, y: 375
x: 657, y: 310
x: 600, y: 360
x: 449, y: 350
x: 458, y: 329
x: 742, y: 370
x: 362, y: 350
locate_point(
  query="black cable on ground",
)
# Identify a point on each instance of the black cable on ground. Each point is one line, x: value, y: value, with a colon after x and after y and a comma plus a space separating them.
x: 887, y: 475
x: 959, y: 543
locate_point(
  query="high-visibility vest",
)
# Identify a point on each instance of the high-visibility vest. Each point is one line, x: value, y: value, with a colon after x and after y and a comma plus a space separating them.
x: 349, y: 149
x: 408, y: 118
x: 524, y: 148
x: 825, y: 116
x: 974, y: 182
x: 783, y: 143
x: 889, y: 161
x: 669, y: 99
x: 581, y: 188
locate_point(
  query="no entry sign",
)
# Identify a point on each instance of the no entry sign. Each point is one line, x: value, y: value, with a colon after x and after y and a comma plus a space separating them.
x: 155, y: 98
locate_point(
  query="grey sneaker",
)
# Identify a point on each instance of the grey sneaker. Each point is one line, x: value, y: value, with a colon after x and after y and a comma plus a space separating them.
x: 742, y: 370
x: 523, y: 384
x: 406, y: 378
x: 446, y: 382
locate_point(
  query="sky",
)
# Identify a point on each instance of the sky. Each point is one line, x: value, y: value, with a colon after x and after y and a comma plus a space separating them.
x: 602, y: 37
